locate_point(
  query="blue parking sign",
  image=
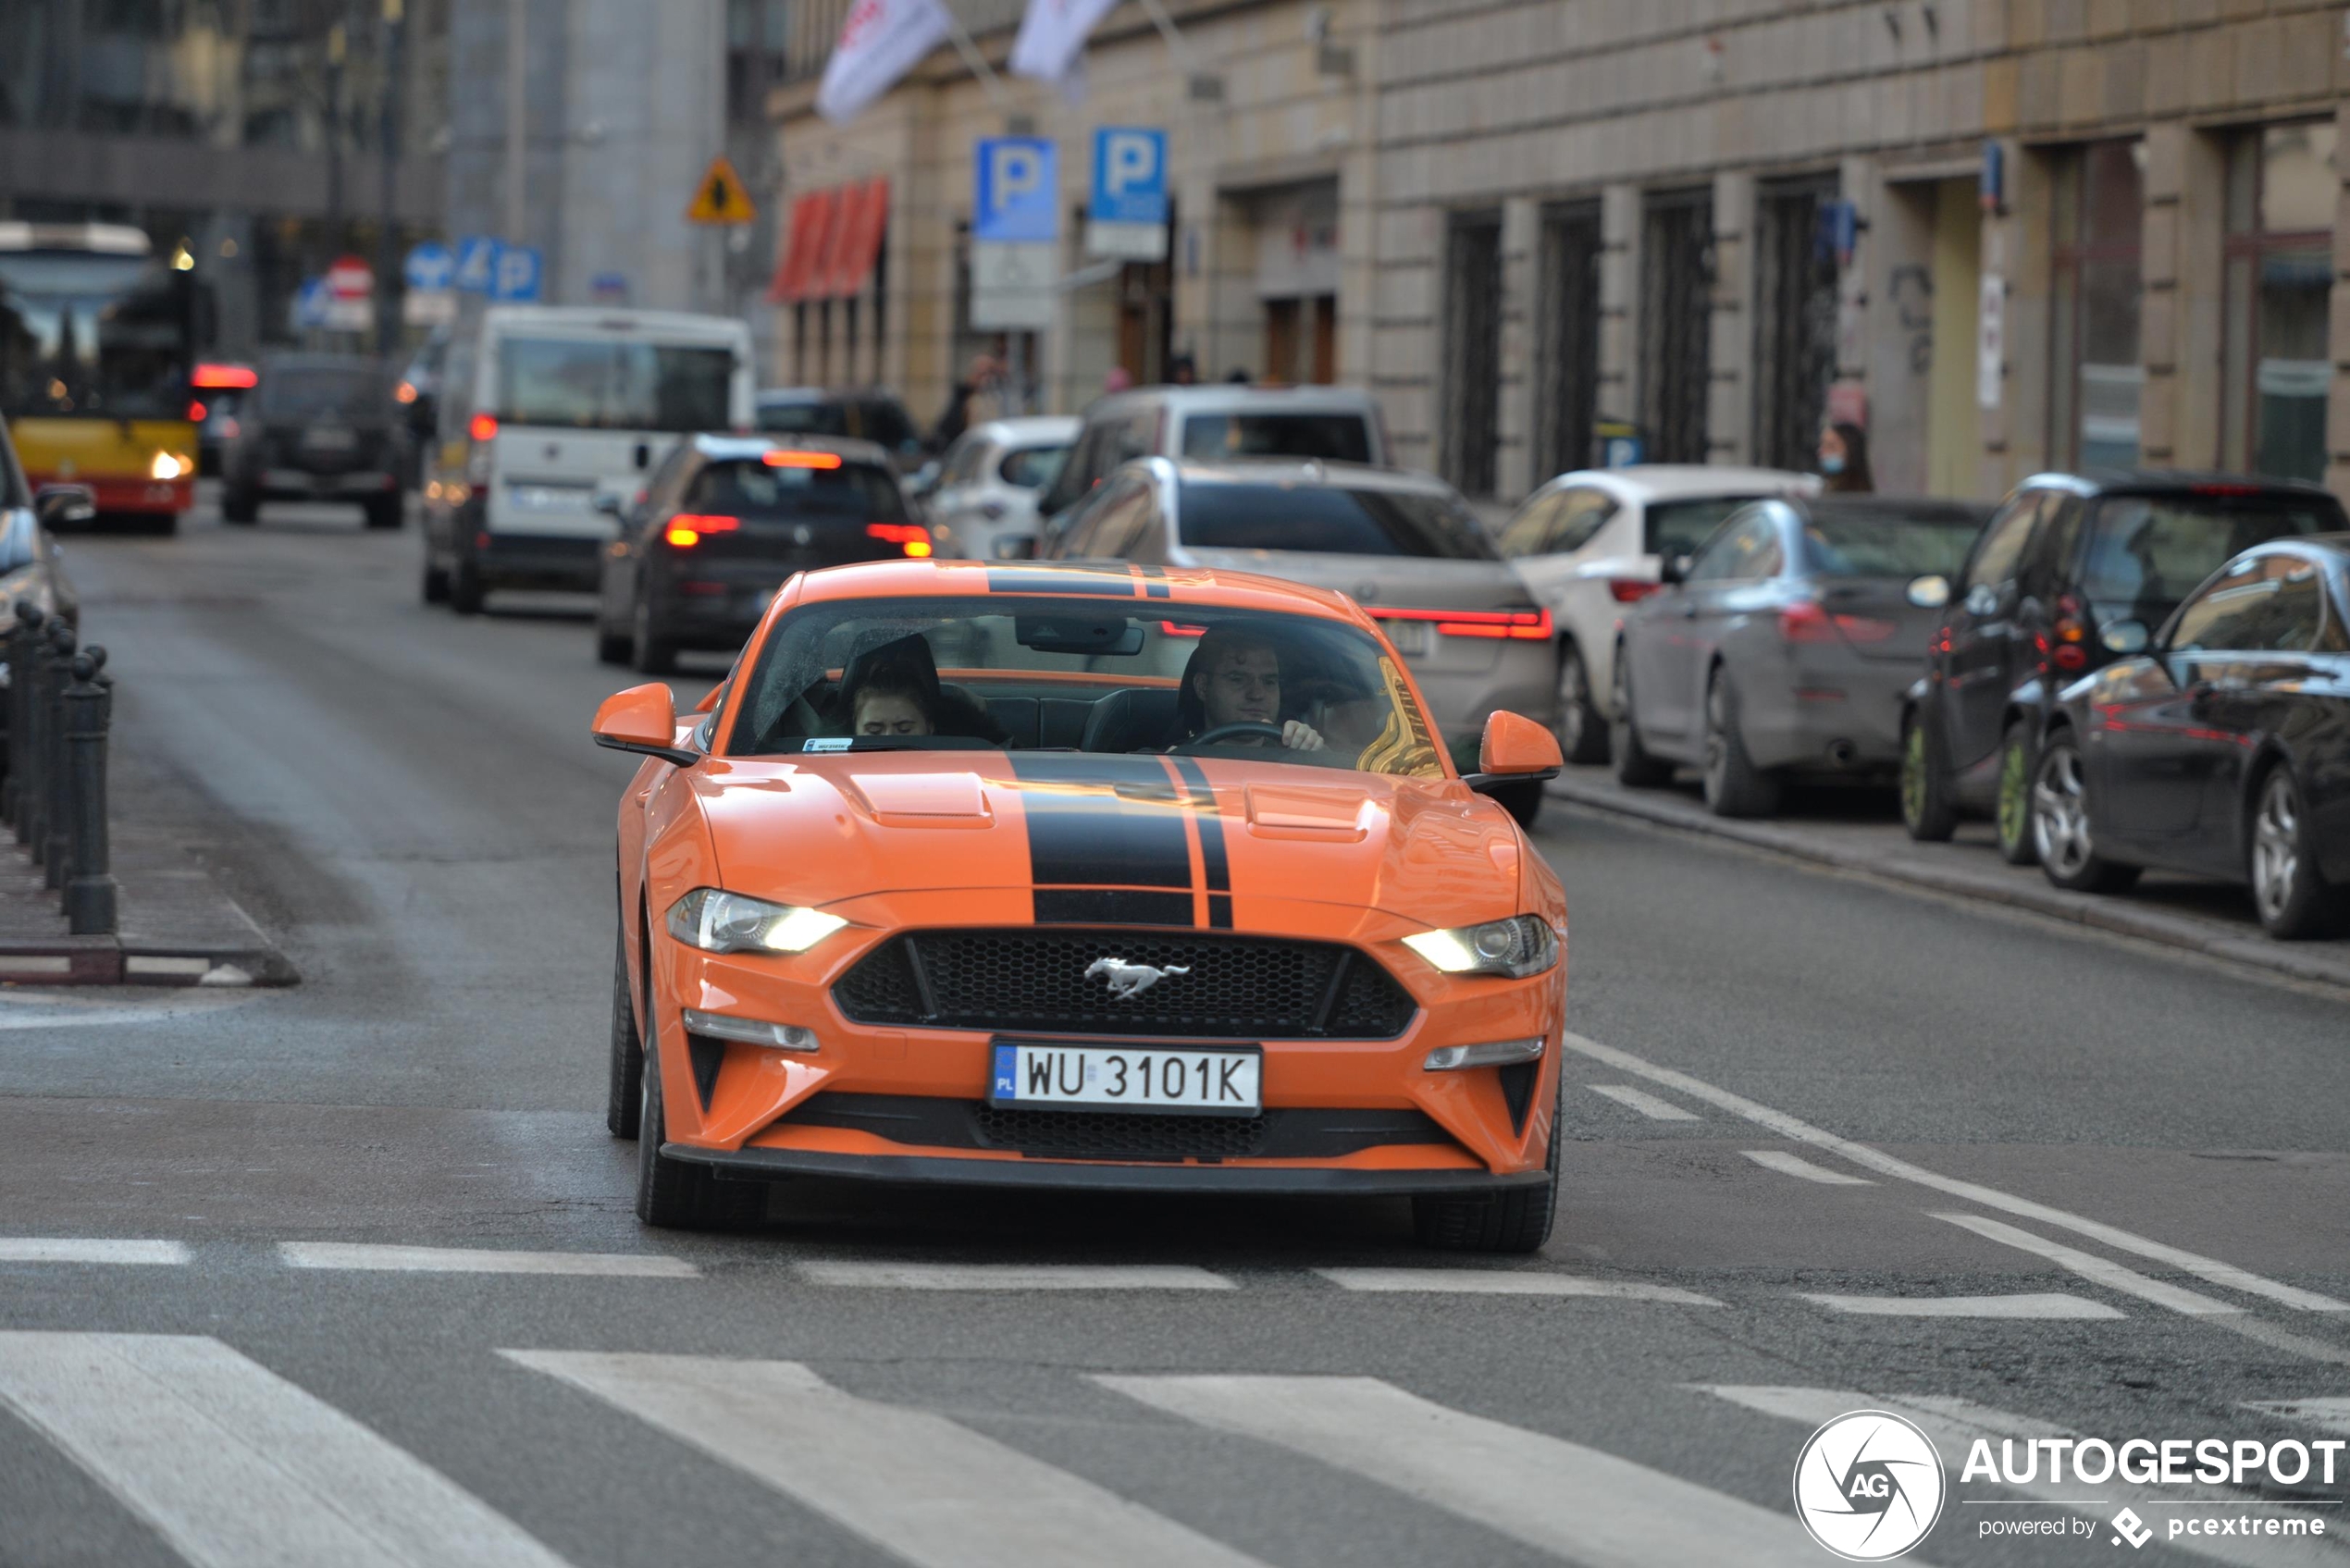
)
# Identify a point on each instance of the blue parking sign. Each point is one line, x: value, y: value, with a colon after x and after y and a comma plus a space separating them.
x: 476, y: 263
x: 430, y: 268
x: 518, y: 273
x: 1014, y: 190
x: 1130, y: 175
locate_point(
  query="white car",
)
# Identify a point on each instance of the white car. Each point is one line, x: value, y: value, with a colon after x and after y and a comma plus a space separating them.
x: 988, y: 482
x: 1588, y: 544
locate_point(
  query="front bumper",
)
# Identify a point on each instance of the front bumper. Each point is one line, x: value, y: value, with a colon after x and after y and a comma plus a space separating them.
x: 1089, y: 1175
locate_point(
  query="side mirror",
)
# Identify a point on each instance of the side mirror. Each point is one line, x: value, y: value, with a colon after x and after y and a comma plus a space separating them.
x: 1983, y: 599
x: 1515, y: 750
x: 610, y: 504
x: 1929, y: 592
x: 55, y: 505
x: 642, y: 719
x: 1016, y: 547
x: 1673, y: 569
x: 644, y: 455
x: 923, y: 480
x: 2126, y: 637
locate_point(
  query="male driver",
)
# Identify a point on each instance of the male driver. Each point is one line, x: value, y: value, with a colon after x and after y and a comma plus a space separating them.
x: 1235, y: 677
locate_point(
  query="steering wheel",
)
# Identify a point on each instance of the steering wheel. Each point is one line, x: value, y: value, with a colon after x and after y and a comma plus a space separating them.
x: 1220, y: 732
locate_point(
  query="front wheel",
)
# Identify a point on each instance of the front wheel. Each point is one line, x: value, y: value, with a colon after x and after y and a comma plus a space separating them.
x: 2292, y: 897
x: 2013, y: 810
x: 1582, y: 727
x: 676, y: 1194
x: 1927, y: 809
x: 626, y: 1074
x: 1522, y: 801
x: 1634, y: 765
x: 239, y: 505
x: 465, y: 591
x: 384, y: 513
x: 2061, y: 829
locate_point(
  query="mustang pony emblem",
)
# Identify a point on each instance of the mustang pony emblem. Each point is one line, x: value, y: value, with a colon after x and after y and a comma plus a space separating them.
x: 1130, y: 981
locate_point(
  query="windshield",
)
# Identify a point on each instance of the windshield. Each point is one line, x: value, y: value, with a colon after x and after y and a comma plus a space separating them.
x: 1335, y: 437
x: 106, y: 336
x: 2147, y: 553
x: 804, y: 418
x: 611, y: 384
x: 1032, y: 468
x: 1886, y: 542
x: 355, y: 392
x: 756, y: 489
x: 1051, y: 674
x: 1330, y: 521
x: 1678, y: 527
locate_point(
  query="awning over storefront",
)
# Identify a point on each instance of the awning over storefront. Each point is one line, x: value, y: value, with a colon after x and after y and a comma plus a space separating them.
x: 804, y: 247
x: 834, y: 239
x: 865, y: 215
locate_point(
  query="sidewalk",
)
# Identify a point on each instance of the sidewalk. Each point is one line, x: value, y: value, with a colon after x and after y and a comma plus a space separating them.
x: 1859, y: 830
x: 177, y: 926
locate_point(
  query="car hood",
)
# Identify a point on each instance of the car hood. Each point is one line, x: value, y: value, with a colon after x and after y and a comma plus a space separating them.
x: 1145, y: 839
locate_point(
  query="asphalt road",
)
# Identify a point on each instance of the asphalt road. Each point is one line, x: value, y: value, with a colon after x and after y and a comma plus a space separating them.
x: 1784, y: 1085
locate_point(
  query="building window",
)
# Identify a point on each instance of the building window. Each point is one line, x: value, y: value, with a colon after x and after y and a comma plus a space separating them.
x: 756, y: 32
x: 2281, y: 189
x: 2098, y: 199
x: 1567, y: 300
x: 1473, y: 352
x: 1677, y: 323
x: 1794, y: 319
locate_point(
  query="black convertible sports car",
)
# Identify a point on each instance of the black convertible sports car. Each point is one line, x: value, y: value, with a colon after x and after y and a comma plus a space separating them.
x: 2223, y: 748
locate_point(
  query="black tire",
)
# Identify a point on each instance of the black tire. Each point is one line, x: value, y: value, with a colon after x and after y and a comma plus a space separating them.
x: 1928, y: 809
x: 613, y: 648
x: 2061, y: 827
x: 676, y: 1194
x: 1734, y: 785
x: 1582, y: 728
x: 465, y: 590
x: 1523, y: 801
x: 1516, y: 1221
x: 624, y: 1101
x: 2011, y: 806
x: 436, y: 584
x: 239, y: 505
x: 160, y: 524
x: 1634, y: 766
x: 2288, y: 890
x: 386, y: 512
x: 651, y: 653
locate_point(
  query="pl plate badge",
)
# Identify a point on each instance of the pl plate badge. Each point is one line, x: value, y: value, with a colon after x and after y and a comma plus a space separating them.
x: 1868, y: 1486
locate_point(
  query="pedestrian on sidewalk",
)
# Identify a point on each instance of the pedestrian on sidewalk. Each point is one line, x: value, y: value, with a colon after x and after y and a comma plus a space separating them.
x: 1844, y: 459
x: 985, y: 373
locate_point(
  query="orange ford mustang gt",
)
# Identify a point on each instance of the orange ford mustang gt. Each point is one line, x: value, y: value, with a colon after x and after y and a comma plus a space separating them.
x: 1068, y: 875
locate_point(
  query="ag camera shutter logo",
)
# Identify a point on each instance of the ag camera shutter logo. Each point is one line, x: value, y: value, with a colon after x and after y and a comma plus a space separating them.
x: 1869, y: 1486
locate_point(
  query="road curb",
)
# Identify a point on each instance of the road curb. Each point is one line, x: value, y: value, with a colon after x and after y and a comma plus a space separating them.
x: 2083, y: 909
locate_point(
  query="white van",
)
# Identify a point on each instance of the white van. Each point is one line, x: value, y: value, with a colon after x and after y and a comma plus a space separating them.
x: 546, y: 409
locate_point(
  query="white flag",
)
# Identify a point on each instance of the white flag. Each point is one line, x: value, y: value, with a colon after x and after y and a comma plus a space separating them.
x: 881, y: 41
x: 1052, y: 35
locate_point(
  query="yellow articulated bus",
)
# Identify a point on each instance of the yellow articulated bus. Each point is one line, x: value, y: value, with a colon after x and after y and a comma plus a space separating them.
x: 97, y: 347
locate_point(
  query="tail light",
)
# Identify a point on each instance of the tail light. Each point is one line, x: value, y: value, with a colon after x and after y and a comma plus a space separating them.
x: 801, y: 460
x: 2071, y: 649
x: 1808, y: 621
x: 1530, y: 625
x: 1630, y: 590
x: 911, y: 538
x: 231, y: 376
x: 482, y: 429
x: 686, y: 529
x: 196, y: 412
x: 231, y: 429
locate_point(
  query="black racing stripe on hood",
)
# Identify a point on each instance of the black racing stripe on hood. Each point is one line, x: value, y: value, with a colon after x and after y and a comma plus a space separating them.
x: 1102, y: 582
x: 1112, y: 907
x: 1215, y: 858
x: 1112, y: 828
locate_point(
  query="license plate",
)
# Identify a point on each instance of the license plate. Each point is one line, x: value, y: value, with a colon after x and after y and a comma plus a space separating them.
x: 329, y: 438
x: 1130, y: 1076
x: 1410, y: 637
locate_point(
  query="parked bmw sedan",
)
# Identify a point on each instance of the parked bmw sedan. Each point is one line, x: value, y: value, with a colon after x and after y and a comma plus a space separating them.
x: 1784, y: 644
x: 1404, y: 545
x: 724, y: 520
x: 2223, y: 749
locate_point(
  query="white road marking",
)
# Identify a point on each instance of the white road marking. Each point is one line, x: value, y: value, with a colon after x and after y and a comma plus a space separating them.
x: 1955, y: 1424
x: 1589, y: 1507
x: 912, y: 1482
x: 1012, y: 1275
x: 235, y: 1467
x: 1506, y: 1282
x: 2328, y: 1415
x: 2089, y: 1266
x: 46, y: 1013
x: 1795, y: 1164
x: 1643, y: 1101
x: 479, y: 1260
x: 1799, y: 1132
x: 2046, y: 1303
x: 88, y: 1249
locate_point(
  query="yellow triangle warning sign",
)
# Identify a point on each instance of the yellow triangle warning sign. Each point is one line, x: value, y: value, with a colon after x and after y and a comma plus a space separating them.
x: 721, y: 197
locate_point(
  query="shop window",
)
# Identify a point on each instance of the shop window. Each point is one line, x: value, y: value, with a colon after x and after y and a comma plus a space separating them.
x: 1473, y: 352
x: 2098, y: 199
x: 2282, y: 187
x: 1677, y: 323
x: 1567, y: 301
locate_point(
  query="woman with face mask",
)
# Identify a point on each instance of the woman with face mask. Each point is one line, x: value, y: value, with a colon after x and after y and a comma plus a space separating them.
x: 1844, y: 459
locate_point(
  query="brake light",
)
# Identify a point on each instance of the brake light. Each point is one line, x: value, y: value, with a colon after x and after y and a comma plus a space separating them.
x: 229, y: 375
x: 2072, y: 635
x: 686, y: 529
x: 2223, y: 489
x: 404, y: 393
x: 801, y: 460
x: 196, y: 412
x: 912, y: 537
x: 1630, y: 590
x: 482, y: 429
x: 1531, y: 625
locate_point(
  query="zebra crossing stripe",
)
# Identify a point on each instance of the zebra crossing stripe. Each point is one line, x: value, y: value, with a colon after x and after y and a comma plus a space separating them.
x: 479, y: 1260
x: 1011, y: 1275
x: 89, y: 1249
x: 2045, y: 1305
x: 235, y: 1467
x: 1589, y: 1507
x: 1506, y: 1282
x: 936, y: 1494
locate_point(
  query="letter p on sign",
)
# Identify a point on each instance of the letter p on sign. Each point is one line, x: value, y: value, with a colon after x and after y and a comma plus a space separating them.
x: 1130, y: 175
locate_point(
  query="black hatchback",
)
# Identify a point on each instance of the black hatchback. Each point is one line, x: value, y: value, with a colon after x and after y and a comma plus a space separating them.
x: 2073, y: 573
x: 722, y: 521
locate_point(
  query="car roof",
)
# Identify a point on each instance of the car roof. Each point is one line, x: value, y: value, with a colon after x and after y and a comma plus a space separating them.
x: 1302, y: 471
x: 1233, y: 395
x: 1032, y: 430
x: 1939, y: 507
x: 1687, y: 481
x: 724, y: 446
x: 776, y: 397
x: 1151, y: 590
x: 2167, y: 481
x: 610, y: 319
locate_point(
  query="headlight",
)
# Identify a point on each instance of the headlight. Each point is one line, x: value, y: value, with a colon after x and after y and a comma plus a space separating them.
x: 1519, y: 947
x: 728, y: 922
x: 165, y: 466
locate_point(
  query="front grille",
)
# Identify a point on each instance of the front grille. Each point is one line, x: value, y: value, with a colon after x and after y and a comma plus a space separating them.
x: 1083, y: 1135
x: 1291, y: 1132
x: 1233, y: 987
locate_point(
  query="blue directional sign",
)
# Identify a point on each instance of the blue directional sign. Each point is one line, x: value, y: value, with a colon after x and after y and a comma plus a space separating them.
x: 309, y: 303
x: 519, y: 270
x: 1130, y: 175
x: 431, y: 267
x: 1014, y: 193
x: 476, y: 263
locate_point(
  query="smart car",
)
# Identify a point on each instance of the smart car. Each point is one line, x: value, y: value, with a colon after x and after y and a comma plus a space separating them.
x: 1093, y: 876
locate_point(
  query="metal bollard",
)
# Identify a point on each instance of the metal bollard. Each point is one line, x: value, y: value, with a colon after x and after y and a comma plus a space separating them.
x: 89, y: 886
x: 56, y: 812
x: 24, y: 748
